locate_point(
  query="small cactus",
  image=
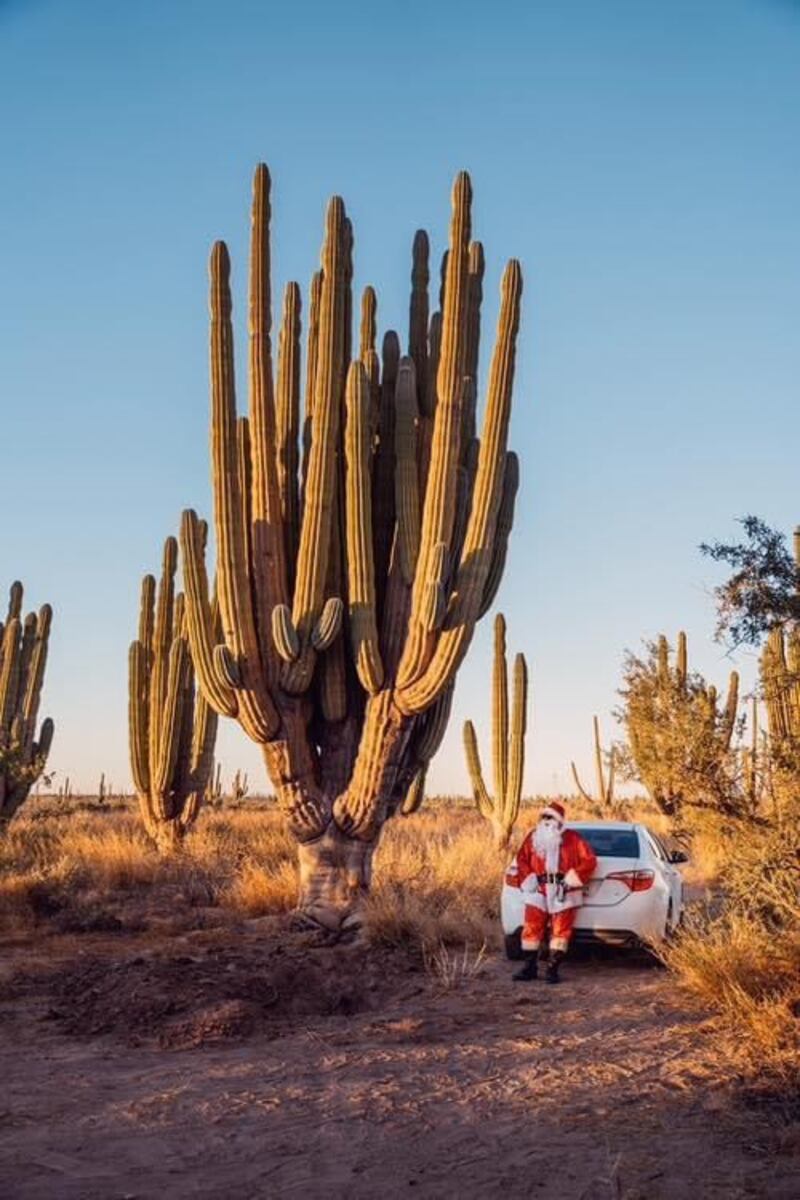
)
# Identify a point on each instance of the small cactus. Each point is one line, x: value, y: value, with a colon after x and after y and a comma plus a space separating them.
x: 605, y: 782
x: 23, y: 657
x: 213, y: 793
x: 240, y: 786
x: 171, y: 730
x: 508, y: 748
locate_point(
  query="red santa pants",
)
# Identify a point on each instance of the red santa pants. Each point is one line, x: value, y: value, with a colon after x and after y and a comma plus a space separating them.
x: 536, y: 919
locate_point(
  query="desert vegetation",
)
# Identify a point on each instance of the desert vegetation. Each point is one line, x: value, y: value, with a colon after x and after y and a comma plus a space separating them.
x: 23, y: 657
x: 356, y: 550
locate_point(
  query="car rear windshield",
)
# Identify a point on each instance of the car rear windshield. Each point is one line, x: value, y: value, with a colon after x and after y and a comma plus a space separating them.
x: 611, y: 843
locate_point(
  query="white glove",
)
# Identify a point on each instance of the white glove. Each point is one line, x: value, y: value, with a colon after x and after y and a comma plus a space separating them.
x: 572, y: 879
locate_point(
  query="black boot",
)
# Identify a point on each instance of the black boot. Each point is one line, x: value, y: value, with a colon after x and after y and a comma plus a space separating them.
x: 556, y: 957
x: 530, y: 970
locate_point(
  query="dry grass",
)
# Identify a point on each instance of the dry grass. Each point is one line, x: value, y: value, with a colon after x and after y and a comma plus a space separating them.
x: 436, y: 894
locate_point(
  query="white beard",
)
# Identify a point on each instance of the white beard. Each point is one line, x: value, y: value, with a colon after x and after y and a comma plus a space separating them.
x: 547, y: 842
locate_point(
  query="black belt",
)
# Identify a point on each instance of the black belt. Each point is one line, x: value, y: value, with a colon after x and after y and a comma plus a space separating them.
x: 559, y: 878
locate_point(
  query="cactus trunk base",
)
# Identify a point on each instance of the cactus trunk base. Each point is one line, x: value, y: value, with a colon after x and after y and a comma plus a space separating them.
x: 169, y: 836
x: 335, y: 875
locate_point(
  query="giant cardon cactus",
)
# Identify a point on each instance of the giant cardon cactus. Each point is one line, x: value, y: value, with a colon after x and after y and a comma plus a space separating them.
x: 23, y: 656
x: 356, y: 549
x: 508, y: 745
x: 171, y: 729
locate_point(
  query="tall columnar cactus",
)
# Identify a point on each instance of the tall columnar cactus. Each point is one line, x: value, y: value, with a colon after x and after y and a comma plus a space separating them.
x: 780, y: 684
x: 605, y: 781
x: 23, y: 656
x: 350, y: 581
x: 679, y: 735
x: 171, y: 729
x: 508, y: 746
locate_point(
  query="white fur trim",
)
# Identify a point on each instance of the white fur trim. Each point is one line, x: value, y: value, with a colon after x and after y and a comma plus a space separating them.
x: 551, y: 812
x: 559, y: 943
x: 572, y: 879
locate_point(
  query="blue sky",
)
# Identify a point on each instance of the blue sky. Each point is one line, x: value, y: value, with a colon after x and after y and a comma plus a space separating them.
x: 639, y: 156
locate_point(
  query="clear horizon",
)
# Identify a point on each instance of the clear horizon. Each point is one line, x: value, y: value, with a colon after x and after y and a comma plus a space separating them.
x: 640, y: 160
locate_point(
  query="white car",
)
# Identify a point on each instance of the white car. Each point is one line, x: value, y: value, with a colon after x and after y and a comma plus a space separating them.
x: 635, y: 896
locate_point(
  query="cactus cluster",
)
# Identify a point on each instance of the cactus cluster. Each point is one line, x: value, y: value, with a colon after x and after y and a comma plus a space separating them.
x: 508, y: 744
x: 679, y: 733
x: 604, y: 778
x: 171, y: 729
x: 780, y: 683
x: 23, y: 656
x: 356, y: 547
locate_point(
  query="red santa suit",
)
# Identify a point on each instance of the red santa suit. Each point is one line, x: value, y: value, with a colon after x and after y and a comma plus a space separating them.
x: 552, y: 882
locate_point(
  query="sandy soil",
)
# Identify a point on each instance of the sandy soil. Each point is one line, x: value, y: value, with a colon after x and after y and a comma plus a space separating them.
x: 262, y: 1066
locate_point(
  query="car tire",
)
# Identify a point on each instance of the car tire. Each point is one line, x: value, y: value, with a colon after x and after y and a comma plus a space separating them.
x: 514, y: 945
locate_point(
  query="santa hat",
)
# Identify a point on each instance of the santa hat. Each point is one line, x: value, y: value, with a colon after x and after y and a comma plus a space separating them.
x: 555, y: 810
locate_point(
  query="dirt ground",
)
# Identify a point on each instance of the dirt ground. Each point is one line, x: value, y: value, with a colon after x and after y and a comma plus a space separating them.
x: 261, y: 1065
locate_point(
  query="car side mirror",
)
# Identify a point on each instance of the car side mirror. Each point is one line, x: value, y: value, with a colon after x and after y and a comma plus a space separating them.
x: 678, y: 856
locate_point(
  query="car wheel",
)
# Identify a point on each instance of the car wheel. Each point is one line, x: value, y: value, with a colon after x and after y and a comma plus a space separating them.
x: 514, y: 945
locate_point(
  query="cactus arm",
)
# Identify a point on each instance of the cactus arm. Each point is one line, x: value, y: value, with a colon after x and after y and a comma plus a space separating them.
x: 200, y: 621
x: 500, y: 712
x: 163, y: 767
x: 162, y: 641
x: 729, y: 714
x: 138, y: 722
x: 505, y: 520
x: 598, y: 762
x: 320, y: 493
x: 312, y: 345
x: 288, y: 417
x: 476, y: 268
x: 612, y: 766
x: 414, y: 797
x: 418, y: 316
x: 269, y: 583
x: 284, y: 633
x: 681, y: 662
x: 589, y: 799
x: 9, y: 675
x: 454, y: 640
x: 406, y: 482
x: 483, y: 800
x: 360, y: 565
x: 15, y: 593
x: 383, y: 489
x: 32, y: 675
x: 438, y: 510
x: 368, y: 328
x: 519, y: 714
x: 256, y: 710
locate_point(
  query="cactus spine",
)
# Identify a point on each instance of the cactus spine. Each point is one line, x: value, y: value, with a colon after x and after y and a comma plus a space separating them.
x: 23, y: 658
x: 508, y: 747
x: 605, y: 782
x: 171, y: 729
x: 350, y: 582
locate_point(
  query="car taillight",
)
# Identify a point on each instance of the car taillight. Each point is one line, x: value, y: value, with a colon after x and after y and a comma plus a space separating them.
x: 637, y: 881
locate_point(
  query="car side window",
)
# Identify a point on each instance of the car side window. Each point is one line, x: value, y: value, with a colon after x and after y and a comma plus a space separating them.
x: 656, y: 846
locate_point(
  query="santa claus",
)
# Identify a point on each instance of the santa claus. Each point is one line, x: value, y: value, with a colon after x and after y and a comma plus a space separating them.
x: 551, y: 868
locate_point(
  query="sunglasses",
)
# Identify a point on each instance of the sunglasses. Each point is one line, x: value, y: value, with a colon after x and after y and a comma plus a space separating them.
x: 548, y: 818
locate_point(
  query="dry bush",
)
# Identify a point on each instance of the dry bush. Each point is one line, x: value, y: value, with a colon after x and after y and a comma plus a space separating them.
x: 452, y: 969
x: 437, y: 882
x: 743, y: 956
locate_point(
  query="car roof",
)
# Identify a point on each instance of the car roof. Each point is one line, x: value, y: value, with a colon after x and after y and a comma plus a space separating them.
x: 588, y: 824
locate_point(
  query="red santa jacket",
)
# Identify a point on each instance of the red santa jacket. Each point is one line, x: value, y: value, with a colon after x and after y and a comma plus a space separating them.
x: 576, y: 864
